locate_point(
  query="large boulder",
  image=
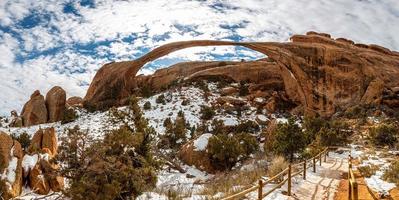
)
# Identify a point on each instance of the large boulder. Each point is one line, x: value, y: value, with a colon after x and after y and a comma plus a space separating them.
x: 74, y: 102
x: 55, y: 102
x: 10, y: 166
x: 35, y: 111
x: 16, y: 121
x: 194, y: 153
x: 44, y: 139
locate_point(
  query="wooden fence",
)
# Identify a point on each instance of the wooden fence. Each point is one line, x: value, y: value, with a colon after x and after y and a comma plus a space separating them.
x: 283, y: 177
x: 352, y: 191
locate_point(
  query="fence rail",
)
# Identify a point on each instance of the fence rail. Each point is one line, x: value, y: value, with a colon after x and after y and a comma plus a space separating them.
x: 290, y: 171
x: 353, y: 190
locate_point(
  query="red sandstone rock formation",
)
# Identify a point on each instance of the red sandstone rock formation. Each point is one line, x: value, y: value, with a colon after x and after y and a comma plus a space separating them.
x: 319, y: 73
x: 35, y: 110
x: 10, y: 165
x: 55, y: 102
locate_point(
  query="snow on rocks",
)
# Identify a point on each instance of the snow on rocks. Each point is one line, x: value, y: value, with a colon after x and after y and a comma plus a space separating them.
x: 201, y: 142
x: 28, y: 162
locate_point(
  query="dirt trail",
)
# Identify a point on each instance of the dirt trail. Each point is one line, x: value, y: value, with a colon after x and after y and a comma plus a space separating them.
x: 363, y: 191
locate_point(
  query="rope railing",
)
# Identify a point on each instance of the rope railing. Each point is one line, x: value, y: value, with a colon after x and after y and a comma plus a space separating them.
x: 291, y: 171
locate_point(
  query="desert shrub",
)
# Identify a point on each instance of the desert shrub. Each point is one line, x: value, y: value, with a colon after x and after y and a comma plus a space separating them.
x: 247, y: 126
x: 185, y: 102
x: 70, y: 115
x: 248, y: 143
x: 207, y: 113
x: 218, y: 127
x: 160, y: 99
x: 330, y: 133
x: 243, y: 89
x: 147, y: 105
x: 167, y: 122
x: 112, y: 168
x: 288, y: 139
x: 356, y: 112
x: 23, y: 139
x: 270, y: 137
x: 201, y: 84
x: 392, y: 173
x: 224, y: 151
x: 175, y: 133
x: 368, y: 170
x: 312, y: 126
x: 146, y: 91
x: 277, y: 165
x: 384, y: 134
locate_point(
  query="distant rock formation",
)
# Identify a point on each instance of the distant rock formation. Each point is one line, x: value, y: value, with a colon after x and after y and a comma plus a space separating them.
x: 319, y: 73
x: 74, y: 102
x: 55, y: 102
x: 39, y: 110
x: 35, y: 110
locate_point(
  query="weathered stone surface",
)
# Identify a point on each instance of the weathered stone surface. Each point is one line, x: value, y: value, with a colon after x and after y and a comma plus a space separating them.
x: 319, y: 73
x: 36, y: 142
x: 228, y: 91
x: 49, y: 140
x: 37, y: 181
x: 16, y: 121
x: 55, y: 102
x: 10, y: 163
x: 34, y: 111
x: 43, y: 140
x: 199, y: 159
x: 74, y: 102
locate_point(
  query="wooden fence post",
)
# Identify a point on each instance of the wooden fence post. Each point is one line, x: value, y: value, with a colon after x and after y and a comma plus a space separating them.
x: 320, y: 159
x: 289, y: 179
x: 314, y: 165
x: 260, y: 189
x: 325, y: 156
x: 304, y: 170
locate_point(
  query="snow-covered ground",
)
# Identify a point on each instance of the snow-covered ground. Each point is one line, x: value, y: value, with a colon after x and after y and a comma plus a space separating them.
x: 98, y: 123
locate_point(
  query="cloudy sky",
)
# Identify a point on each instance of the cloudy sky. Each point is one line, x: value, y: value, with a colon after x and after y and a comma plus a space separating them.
x: 63, y: 42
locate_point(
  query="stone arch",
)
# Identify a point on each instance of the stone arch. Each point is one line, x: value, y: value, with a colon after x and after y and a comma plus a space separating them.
x: 124, y: 72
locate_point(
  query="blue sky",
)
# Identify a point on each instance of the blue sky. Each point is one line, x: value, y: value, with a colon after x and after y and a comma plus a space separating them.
x: 64, y: 42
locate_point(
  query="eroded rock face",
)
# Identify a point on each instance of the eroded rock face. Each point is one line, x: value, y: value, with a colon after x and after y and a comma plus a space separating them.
x: 74, y: 102
x: 199, y: 158
x: 319, y: 73
x: 44, y: 139
x: 55, y: 102
x: 10, y: 166
x: 35, y: 110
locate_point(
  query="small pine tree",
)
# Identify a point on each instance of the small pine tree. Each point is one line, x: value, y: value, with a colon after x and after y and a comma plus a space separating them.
x: 23, y: 139
x: 207, y: 113
x: 147, y: 105
x: 289, y: 139
x: 243, y: 90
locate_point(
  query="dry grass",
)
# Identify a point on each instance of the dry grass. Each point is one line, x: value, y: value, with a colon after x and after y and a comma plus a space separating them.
x: 368, y: 170
x: 234, y: 181
x: 278, y: 165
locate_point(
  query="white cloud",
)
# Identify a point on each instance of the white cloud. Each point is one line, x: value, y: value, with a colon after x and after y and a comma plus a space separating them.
x: 157, y: 22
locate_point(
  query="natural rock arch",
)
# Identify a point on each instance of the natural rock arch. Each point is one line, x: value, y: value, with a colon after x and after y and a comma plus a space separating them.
x: 308, y: 64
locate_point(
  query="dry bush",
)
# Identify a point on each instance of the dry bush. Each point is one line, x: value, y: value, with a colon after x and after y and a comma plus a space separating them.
x: 392, y: 173
x: 368, y: 170
x: 234, y: 181
x: 278, y: 165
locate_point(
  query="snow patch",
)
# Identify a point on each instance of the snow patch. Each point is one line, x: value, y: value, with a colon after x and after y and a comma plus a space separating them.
x: 28, y: 162
x: 201, y: 142
x: 10, y: 173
